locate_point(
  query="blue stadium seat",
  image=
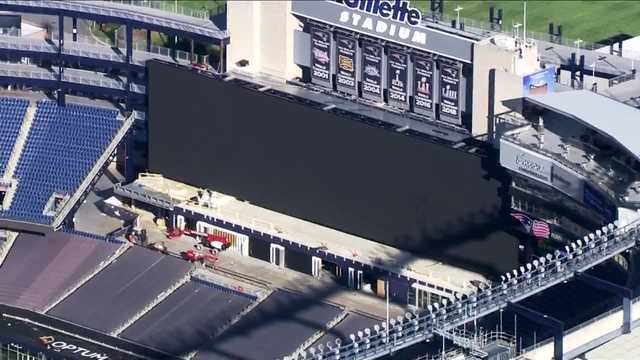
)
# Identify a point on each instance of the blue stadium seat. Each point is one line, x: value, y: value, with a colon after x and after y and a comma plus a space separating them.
x: 11, y: 115
x: 61, y: 148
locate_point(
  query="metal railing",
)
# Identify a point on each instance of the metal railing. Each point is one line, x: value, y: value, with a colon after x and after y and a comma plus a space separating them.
x: 621, y: 78
x: 168, y: 6
x: 523, y: 282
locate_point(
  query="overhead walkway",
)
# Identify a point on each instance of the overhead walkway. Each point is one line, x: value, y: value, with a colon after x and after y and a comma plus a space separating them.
x: 120, y: 13
x: 544, y: 273
x: 81, y: 80
x: 76, y: 51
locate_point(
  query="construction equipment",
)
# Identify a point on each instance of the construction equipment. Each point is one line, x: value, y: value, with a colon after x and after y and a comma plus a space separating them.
x: 214, y: 241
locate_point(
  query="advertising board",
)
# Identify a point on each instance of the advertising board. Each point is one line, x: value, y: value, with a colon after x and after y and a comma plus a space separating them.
x: 539, y: 83
x: 526, y: 162
x: 598, y: 202
x: 567, y: 181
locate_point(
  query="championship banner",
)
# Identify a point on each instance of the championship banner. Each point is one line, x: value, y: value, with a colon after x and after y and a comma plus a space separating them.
x: 371, y: 71
x: 423, y: 85
x: 346, y: 64
x: 397, y: 76
x: 321, y: 57
x: 450, y: 93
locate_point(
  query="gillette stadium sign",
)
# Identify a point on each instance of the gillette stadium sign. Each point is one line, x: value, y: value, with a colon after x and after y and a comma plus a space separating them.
x: 392, y: 20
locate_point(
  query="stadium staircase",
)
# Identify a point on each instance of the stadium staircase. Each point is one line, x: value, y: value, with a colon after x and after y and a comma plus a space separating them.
x: 121, y: 250
x: 19, y: 142
x: 6, y: 247
x: 160, y: 298
x: 320, y: 333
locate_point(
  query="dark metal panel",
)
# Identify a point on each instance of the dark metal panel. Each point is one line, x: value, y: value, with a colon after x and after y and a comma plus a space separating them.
x: 118, y: 292
x: 186, y: 319
x: 39, y: 269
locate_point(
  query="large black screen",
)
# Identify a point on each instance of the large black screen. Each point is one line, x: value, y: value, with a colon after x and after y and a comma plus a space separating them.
x: 312, y: 164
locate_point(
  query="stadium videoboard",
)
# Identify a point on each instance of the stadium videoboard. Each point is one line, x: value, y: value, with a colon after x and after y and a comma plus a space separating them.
x: 322, y: 167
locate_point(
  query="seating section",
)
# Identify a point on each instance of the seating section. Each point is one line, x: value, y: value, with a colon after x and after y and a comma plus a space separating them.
x: 62, y: 146
x: 272, y: 330
x: 39, y: 269
x: 186, y: 319
x: 121, y: 290
x: 12, y: 111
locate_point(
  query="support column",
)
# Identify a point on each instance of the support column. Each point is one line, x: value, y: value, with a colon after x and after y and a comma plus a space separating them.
x: 129, y: 41
x: 60, y: 97
x: 172, y: 45
x: 556, y: 326
x: 75, y: 28
x: 191, y: 52
x: 60, y: 33
x: 148, y: 40
x: 624, y: 292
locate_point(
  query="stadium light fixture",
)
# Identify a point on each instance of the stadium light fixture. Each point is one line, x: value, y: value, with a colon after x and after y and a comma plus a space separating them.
x: 522, y: 270
x: 516, y: 27
x: 579, y: 243
x: 550, y: 257
x: 515, y: 273
x: 503, y: 278
x: 529, y: 266
x: 352, y: 337
x: 592, y: 236
x: 430, y: 308
x: 605, y: 229
x: 509, y: 276
x: 536, y: 263
x: 457, y: 10
x: 586, y: 239
x: 445, y: 301
x: 338, y: 342
x: 360, y: 334
x: 598, y: 233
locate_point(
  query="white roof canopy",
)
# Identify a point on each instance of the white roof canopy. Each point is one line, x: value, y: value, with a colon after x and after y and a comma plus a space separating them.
x: 618, y: 121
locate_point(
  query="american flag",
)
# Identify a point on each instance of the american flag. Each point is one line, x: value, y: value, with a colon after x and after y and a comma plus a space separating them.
x: 538, y: 228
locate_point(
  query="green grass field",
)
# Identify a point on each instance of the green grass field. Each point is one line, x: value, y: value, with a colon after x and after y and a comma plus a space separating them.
x: 590, y: 21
